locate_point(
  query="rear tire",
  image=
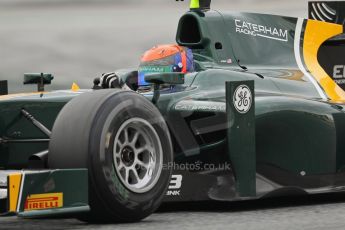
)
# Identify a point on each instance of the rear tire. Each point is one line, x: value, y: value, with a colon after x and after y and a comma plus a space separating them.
x: 125, y: 185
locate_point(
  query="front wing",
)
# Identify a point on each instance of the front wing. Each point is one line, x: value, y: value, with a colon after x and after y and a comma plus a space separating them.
x: 47, y: 193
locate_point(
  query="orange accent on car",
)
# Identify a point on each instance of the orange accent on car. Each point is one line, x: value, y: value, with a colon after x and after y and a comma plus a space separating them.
x: 14, y: 182
x: 316, y: 34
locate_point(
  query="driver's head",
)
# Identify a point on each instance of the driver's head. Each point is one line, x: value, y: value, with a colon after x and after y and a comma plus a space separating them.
x: 165, y: 59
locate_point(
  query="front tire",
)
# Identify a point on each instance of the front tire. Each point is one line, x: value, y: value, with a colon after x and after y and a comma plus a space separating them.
x: 124, y: 142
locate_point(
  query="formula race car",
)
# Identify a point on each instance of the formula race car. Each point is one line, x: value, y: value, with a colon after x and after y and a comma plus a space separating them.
x: 262, y: 115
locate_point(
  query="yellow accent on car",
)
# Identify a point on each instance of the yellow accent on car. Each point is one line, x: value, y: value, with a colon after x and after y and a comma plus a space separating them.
x: 75, y: 87
x: 43, y: 201
x: 194, y: 4
x: 14, y: 182
x: 316, y: 33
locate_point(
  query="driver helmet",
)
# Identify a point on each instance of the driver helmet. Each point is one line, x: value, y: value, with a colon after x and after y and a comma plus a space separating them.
x: 165, y: 59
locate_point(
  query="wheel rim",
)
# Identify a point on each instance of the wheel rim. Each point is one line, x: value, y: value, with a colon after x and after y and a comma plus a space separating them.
x: 137, y: 155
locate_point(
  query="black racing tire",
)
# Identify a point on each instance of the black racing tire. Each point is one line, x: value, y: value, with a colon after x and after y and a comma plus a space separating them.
x: 83, y: 136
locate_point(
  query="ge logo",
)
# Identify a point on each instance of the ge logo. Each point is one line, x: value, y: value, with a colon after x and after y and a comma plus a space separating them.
x: 242, y: 99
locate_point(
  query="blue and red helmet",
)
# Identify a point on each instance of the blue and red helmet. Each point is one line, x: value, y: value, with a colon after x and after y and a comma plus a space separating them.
x: 163, y: 59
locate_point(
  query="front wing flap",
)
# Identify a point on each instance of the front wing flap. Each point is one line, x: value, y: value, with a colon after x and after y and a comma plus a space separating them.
x: 48, y: 193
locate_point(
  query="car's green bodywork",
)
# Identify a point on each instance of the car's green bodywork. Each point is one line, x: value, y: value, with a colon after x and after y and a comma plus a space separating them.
x: 74, y: 191
x: 14, y: 126
x: 299, y: 135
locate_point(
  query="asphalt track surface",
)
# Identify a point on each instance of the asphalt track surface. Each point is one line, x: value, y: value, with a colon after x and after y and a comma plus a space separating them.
x: 301, y: 213
x: 77, y: 42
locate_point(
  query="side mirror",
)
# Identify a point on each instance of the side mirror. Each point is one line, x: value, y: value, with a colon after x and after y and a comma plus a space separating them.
x: 158, y: 79
x: 40, y: 79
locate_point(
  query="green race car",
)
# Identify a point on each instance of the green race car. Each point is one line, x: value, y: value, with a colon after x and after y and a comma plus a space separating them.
x: 262, y: 115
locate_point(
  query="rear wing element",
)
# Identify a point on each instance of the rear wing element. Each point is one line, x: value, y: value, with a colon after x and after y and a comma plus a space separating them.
x: 327, y: 11
x: 48, y: 193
